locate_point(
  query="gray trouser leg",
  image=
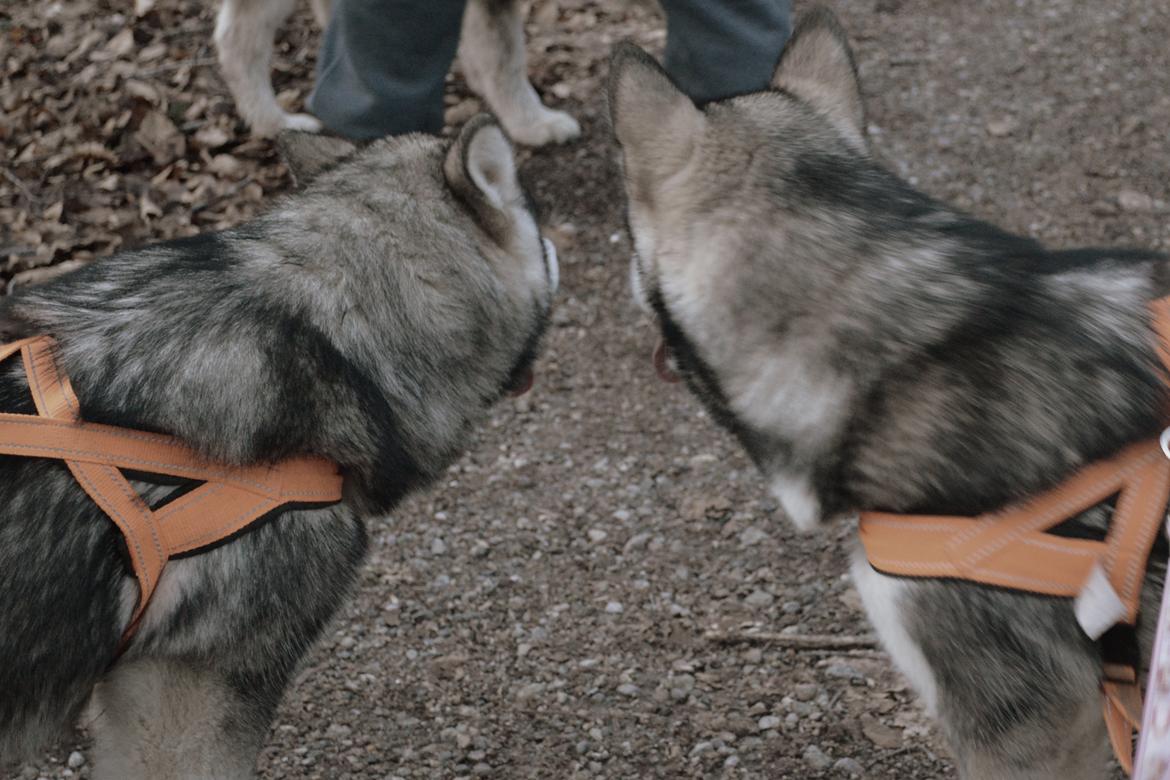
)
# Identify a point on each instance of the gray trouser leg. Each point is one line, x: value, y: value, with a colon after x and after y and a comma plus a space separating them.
x: 718, y: 49
x: 382, y: 65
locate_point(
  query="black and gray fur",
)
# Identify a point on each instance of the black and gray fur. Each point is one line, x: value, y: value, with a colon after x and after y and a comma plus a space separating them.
x: 874, y: 349
x: 370, y: 318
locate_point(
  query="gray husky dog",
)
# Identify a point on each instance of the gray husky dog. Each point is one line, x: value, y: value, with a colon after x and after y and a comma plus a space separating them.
x: 370, y: 318
x: 873, y: 349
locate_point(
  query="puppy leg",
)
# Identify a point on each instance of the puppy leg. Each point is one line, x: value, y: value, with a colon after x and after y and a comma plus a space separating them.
x: 321, y: 11
x: 166, y: 720
x: 244, y: 33
x: 494, y: 63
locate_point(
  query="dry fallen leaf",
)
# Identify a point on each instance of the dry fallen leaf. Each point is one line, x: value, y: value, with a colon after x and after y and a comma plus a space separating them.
x: 119, y: 46
x: 159, y: 136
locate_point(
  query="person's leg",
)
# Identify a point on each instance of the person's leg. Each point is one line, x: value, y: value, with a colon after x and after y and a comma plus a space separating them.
x: 382, y: 66
x: 715, y: 50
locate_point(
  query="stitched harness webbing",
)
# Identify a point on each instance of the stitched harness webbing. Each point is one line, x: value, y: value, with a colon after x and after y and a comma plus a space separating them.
x: 230, y: 499
x: 1012, y: 549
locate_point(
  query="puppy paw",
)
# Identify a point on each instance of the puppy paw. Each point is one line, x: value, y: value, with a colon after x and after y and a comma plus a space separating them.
x: 303, y: 122
x: 271, y: 126
x: 550, y: 127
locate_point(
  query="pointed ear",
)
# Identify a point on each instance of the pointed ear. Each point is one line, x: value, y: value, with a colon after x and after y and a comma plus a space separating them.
x: 656, y: 125
x: 308, y: 154
x: 481, y: 170
x: 817, y: 65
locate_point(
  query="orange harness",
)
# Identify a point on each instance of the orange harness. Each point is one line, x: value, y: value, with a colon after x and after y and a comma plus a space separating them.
x: 1011, y: 549
x: 231, y: 498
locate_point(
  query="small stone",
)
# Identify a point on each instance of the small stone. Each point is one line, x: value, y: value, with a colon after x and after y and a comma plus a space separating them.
x: 1132, y: 200
x: 628, y: 689
x: 635, y: 542
x: 438, y: 546
x: 880, y: 734
x: 1103, y: 208
x: 596, y: 535
x: 481, y: 770
x: 759, y: 599
x: 75, y: 760
x: 790, y: 607
x: 769, y: 722
x: 752, y: 536
x: 804, y: 691
x: 614, y: 608
x: 530, y: 691
x: 731, y: 761
x: 337, y: 731
x: 843, y: 672
x: 849, y: 766
x: 1003, y: 126
x: 816, y: 758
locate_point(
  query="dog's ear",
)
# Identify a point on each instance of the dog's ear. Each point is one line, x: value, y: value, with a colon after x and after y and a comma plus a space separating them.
x: 308, y: 154
x: 817, y: 66
x: 481, y: 170
x: 654, y: 122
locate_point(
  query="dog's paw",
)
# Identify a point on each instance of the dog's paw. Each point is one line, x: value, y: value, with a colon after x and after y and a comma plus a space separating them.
x: 271, y: 126
x: 551, y: 127
x: 303, y: 122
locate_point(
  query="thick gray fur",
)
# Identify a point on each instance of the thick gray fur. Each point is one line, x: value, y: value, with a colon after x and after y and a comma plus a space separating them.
x: 874, y: 349
x: 371, y: 318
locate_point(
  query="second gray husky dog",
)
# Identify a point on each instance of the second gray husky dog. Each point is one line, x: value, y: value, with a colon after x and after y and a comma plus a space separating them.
x: 874, y: 349
x: 371, y: 319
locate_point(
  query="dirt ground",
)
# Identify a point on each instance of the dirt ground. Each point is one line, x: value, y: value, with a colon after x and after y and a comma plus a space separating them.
x: 587, y: 594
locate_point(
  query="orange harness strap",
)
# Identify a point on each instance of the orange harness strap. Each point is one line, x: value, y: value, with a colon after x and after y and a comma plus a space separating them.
x: 230, y: 500
x: 1012, y: 549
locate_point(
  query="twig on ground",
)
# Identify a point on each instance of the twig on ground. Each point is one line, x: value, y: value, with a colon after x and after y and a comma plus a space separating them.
x: 795, y: 641
x: 20, y: 185
x: 159, y: 70
x: 231, y: 191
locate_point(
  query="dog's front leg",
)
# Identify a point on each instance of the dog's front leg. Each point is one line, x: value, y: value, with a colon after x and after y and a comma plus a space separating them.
x: 172, y: 720
x: 244, y: 33
x: 491, y: 50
